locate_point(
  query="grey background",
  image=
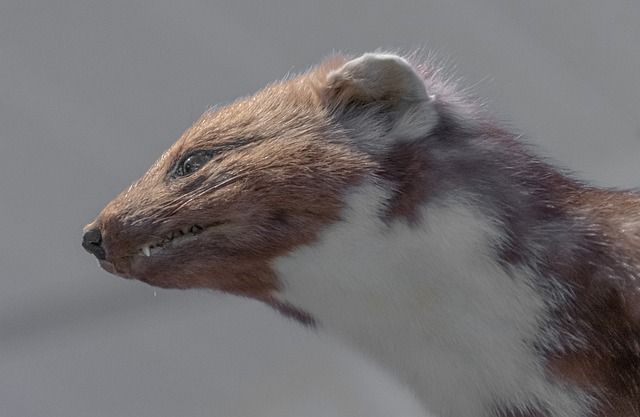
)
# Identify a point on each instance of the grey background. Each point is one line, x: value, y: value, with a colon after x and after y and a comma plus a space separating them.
x: 91, y: 92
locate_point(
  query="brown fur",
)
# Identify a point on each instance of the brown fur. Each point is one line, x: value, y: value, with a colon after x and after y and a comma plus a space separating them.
x: 406, y: 167
x: 606, y: 305
x: 279, y: 188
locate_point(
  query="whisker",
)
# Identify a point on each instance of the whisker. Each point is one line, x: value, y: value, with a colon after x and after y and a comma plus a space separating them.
x: 209, y: 189
x: 169, y: 208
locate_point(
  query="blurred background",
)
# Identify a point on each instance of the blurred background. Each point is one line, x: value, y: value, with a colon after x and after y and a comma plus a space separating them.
x: 91, y: 93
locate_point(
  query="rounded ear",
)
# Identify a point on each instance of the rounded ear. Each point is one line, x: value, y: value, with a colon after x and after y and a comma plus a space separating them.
x: 380, y: 98
x: 376, y: 77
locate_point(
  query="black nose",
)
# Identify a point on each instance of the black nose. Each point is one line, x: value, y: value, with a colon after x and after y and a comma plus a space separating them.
x: 92, y: 242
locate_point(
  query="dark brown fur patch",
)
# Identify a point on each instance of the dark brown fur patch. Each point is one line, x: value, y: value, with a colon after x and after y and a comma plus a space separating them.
x: 605, y: 307
x: 406, y: 167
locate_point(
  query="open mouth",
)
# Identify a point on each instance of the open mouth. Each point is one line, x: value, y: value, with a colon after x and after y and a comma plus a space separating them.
x: 173, y: 239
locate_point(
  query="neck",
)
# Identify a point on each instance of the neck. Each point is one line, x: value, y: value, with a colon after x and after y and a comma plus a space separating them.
x: 430, y: 303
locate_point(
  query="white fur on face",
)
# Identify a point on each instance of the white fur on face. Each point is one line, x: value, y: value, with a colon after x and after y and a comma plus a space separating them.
x: 430, y: 303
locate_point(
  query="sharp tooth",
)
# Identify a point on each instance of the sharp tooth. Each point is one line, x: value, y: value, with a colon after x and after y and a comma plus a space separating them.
x: 146, y: 251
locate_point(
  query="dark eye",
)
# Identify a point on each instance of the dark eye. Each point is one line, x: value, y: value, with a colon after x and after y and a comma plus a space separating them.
x: 192, y: 163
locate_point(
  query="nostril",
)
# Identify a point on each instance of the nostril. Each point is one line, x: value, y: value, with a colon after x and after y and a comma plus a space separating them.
x: 92, y: 242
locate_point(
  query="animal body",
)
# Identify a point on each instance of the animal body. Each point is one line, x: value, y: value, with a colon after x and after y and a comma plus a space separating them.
x: 367, y: 198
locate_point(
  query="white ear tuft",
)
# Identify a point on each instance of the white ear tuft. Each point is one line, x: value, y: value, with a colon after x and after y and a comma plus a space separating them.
x: 380, y: 98
x: 376, y: 77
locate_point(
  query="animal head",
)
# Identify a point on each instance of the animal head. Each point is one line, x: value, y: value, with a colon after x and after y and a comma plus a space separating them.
x: 254, y: 180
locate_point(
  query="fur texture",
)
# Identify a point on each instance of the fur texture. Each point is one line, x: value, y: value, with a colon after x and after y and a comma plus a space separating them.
x: 367, y: 198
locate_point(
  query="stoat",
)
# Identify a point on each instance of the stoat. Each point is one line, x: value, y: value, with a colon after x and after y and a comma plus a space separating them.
x: 368, y: 198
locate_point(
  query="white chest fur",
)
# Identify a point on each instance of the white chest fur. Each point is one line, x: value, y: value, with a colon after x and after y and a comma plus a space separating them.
x: 429, y: 303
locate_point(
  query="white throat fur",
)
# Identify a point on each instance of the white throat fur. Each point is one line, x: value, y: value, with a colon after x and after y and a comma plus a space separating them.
x: 430, y: 303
